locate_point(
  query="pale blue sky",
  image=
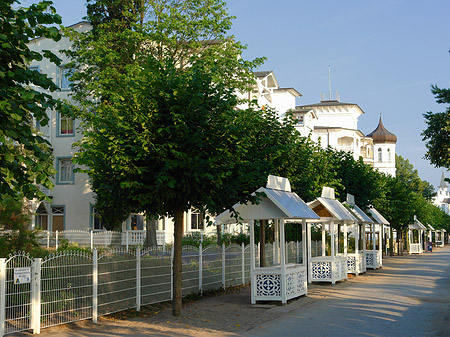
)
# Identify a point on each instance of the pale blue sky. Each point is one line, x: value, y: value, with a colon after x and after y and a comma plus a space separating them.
x: 384, y: 55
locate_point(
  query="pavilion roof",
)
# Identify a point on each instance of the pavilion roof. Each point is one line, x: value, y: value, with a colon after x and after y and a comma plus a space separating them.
x: 377, y: 217
x: 278, y: 203
x: 359, y: 214
x: 327, y: 206
x: 416, y: 225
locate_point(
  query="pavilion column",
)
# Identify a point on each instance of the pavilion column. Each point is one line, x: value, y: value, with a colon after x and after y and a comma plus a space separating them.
x: 252, y: 258
x: 380, y: 244
x: 373, y: 238
x: 364, y: 239
x: 323, y: 240
x: 333, y: 253
x: 333, y: 248
x: 304, y: 248
x: 309, y: 248
x: 283, y: 261
x: 345, y: 239
x: 277, y: 243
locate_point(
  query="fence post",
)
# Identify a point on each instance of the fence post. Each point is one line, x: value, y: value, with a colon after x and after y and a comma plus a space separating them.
x: 36, y: 296
x: 95, y: 286
x: 2, y: 295
x: 92, y: 239
x: 243, y: 262
x: 223, y: 265
x: 138, y: 279
x: 200, y: 268
x: 171, y: 272
x: 56, y: 239
x: 126, y: 239
x: 48, y: 239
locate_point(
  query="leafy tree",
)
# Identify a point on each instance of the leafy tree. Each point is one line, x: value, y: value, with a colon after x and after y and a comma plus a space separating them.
x: 437, y: 133
x: 157, y: 99
x: 15, y: 217
x: 405, y: 172
x: 25, y: 157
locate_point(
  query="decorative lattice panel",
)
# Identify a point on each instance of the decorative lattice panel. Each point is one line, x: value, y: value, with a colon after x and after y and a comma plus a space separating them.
x: 268, y: 285
x: 351, y: 264
x: 321, y: 270
x: 369, y: 260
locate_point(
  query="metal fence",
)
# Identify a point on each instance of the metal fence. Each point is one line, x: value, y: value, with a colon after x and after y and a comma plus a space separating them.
x: 93, y: 239
x: 69, y: 286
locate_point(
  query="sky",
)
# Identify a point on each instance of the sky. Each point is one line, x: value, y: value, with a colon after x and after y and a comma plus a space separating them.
x: 384, y: 55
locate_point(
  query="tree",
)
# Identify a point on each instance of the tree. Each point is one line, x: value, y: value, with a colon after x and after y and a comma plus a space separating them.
x: 437, y: 133
x: 405, y: 172
x: 15, y: 217
x: 157, y: 100
x: 25, y: 157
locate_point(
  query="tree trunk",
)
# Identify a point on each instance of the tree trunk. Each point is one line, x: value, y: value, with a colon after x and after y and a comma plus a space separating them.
x: 176, y: 287
x: 150, y: 238
x: 219, y: 235
x: 262, y: 243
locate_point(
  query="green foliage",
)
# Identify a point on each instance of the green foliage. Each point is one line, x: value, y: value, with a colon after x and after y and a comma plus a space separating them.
x: 195, y: 238
x: 437, y: 133
x: 25, y: 157
x: 14, y: 233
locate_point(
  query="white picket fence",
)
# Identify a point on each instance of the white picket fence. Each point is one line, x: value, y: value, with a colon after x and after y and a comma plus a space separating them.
x: 99, y: 239
x: 70, y: 286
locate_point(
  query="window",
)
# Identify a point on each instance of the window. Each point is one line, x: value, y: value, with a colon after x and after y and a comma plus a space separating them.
x: 380, y: 155
x: 64, y: 75
x: 65, y: 171
x: 96, y: 223
x: 300, y: 120
x: 58, y: 213
x: 389, y: 155
x: 137, y: 222
x: 197, y: 221
x: 34, y: 68
x: 65, y: 126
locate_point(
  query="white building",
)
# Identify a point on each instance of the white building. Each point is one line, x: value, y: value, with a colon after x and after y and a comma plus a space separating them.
x: 73, y: 204
x: 334, y: 123
x: 442, y: 198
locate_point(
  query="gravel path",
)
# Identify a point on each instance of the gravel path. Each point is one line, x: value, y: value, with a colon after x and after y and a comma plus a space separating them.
x: 409, y: 296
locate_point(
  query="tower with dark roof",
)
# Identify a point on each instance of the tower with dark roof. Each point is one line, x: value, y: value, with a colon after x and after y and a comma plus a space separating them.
x: 384, y: 143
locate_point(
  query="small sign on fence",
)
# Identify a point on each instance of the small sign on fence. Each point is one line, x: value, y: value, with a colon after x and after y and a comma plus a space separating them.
x: 22, y: 275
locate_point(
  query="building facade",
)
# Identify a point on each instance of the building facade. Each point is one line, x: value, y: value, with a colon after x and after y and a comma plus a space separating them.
x: 334, y: 123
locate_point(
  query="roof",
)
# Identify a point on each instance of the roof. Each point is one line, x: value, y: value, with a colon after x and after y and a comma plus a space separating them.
x: 327, y: 103
x: 278, y: 202
x: 377, y: 217
x: 431, y: 227
x: 262, y: 73
x: 359, y: 214
x: 382, y: 135
x: 446, y: 201
x: 338, y: 211
x: 84, y: 22
x: 292, y: 91
x: 416, y: 225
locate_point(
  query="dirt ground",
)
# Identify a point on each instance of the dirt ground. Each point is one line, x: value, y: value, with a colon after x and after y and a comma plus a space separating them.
x: 229, y: 314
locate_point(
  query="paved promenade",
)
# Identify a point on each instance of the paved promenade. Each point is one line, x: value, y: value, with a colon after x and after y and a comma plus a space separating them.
x: 409, y: 296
